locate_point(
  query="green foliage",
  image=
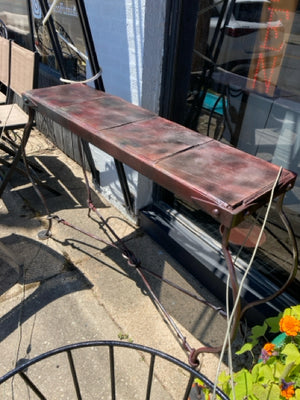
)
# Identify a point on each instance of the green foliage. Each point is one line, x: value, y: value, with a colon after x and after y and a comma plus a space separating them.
x: 278, y: 366
x: 258, y: 331
x: 295, y: 311
x: 247, y: 347
x: 273, y: 323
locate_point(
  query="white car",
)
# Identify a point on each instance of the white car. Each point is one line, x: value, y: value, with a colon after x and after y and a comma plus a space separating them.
x: 253, y: 35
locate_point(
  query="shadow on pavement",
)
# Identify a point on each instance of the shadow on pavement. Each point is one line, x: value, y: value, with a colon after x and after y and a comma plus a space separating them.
x: 34, y: 263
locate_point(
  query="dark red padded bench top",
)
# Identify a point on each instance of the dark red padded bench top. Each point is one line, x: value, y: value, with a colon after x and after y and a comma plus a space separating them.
x: 223, y: 181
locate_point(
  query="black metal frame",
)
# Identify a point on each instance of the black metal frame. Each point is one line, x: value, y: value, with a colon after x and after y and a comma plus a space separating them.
x: 30, y: 17
x: 111, y: 345
x: 54, y: 39
x: 181, y: 17
x: 89, y: 44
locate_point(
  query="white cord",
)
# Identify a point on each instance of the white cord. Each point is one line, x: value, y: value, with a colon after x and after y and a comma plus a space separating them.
x: 93, y: 78
x: 227, y: 335
x: 71, y: 45
x: 47, y: 16
x: 229, y: 339
x: 230, y: 366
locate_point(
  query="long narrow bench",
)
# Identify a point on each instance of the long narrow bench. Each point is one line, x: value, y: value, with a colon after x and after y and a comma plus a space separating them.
x: 226, y: 183
x: 221, y: 180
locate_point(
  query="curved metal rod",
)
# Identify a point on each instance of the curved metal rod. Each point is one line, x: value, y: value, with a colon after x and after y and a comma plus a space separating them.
x: 115, y: 344
x: 294, y: 268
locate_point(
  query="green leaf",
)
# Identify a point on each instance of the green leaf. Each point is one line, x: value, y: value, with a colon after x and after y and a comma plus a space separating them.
x: 278, y: 369
x: 269, y: 392
x: 243, y: 384
x: 295, y: 375
x: 297, y: 394
x: 297, y: 340
x: 252, y: 397
x: 287, y: 371
x: 223, y: 378
x: 292, y: 353
x: 258, y: 331
x: 224, y: 381
x: 255, y: 372
x: 296, y: 311
x: 287, y: 311
x: 263, y: 373
x: 247, y: 347
x: 273, y: 323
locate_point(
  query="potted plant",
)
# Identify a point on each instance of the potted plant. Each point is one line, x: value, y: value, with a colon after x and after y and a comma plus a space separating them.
x: 276, y: 373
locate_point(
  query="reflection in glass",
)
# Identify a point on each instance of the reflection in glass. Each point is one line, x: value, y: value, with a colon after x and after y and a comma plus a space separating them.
x: 70, y: 38
x: 14, y: 14
x: 244, y: 91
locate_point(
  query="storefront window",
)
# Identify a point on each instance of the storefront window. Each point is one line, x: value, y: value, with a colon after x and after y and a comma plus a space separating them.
x: 69, y: 35
x: 244, y: 91
x: 14, y: 14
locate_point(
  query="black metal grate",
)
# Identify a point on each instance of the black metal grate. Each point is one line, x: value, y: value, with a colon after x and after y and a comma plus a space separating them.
x: 21, y: 370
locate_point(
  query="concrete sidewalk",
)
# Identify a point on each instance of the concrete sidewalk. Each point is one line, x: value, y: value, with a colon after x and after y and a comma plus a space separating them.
x: 72, y: 288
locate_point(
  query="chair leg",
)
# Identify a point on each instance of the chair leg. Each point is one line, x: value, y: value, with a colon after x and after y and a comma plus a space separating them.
x: 11, y: 151
x: 19, y: 152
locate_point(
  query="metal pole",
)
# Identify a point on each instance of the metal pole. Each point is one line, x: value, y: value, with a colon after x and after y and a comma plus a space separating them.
x: 92, y: 55
x: 54, y: 39
x: 30, y: 24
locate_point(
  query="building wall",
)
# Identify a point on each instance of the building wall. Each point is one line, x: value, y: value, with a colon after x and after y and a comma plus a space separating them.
x: 129, y: 41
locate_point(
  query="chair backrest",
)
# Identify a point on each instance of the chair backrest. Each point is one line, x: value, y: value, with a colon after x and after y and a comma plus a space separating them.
x: 4, y: 61
x: 24, y: 69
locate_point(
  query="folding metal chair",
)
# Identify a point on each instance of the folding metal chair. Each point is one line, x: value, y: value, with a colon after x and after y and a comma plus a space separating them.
x: 22, y: 76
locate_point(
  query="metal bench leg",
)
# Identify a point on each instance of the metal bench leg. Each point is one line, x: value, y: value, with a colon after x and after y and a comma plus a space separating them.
x: 193, y: 358
x: 294, y: 268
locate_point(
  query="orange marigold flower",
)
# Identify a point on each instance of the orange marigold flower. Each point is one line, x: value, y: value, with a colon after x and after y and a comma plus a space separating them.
x: 287, y: 392
x: 269, y: 347
x: 289, y: 325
